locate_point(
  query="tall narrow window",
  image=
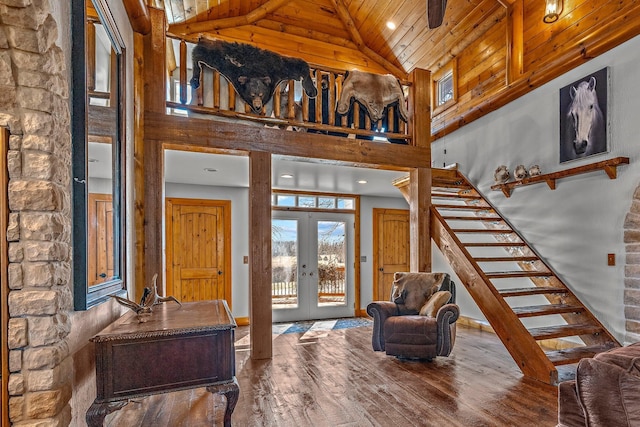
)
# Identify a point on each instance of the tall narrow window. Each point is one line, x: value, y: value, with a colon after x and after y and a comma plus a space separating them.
x: 444, y: 87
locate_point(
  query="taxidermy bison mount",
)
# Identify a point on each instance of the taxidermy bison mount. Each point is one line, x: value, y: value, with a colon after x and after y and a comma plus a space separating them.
x: 254, y: 73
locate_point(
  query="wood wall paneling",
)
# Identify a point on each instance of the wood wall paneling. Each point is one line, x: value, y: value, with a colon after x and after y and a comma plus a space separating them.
x: 585, y: 29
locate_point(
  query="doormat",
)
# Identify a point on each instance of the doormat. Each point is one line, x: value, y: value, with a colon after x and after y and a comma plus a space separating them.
x: 320, y: 325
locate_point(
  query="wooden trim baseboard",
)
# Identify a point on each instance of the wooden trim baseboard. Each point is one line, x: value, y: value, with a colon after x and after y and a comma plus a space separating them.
x: 242, y: 321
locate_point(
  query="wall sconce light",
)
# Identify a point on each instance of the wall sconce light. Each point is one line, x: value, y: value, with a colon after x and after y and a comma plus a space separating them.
x: 552, y: 11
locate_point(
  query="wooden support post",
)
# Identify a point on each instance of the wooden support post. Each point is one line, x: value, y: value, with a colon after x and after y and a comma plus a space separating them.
x: 419, y: 217
x: 155, y: 45
x: 260, y: 254
x: 183, y: 72
x: 515, y: 39
x: 91, y: 56
x: 420, y: 178
x: 150, y: 89
x: 138, y: 165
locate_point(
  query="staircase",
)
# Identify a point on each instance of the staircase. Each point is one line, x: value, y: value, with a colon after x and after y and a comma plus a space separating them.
x: 524, y: 301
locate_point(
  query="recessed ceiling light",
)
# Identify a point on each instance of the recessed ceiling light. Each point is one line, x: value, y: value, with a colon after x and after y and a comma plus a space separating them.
x: 286, y: 175
x: 361, y: 181
x: 210, y: 170
x: 391, y: 25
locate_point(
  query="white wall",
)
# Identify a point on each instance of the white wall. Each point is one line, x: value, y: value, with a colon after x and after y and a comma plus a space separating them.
x: 366, y: 240
x: 239, y: 198
x: 575, y: 226
x: 240, y: 236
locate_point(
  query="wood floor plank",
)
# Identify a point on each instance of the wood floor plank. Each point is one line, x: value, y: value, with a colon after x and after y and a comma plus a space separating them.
x: 337, y: 380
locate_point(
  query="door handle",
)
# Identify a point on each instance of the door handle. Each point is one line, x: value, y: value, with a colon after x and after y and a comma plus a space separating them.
x: 103, y: 275
x: 219, y: 272
x: 381, y: 269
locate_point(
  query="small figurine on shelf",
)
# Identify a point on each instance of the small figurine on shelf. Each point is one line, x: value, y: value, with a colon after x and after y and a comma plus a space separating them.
x: 501, y: 174
x: 520, y: 172
x: 149, y: 298
x: 535, y: 170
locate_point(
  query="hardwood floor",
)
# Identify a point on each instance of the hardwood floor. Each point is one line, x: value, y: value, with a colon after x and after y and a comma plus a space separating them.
x: 335, y: 379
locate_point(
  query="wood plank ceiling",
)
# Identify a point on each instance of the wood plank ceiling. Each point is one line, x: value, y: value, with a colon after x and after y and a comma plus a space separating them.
x: 342, y: 34
x: 499, y: 49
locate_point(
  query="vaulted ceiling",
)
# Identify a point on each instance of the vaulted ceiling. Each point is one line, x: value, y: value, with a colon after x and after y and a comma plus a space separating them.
x: 344, y: 34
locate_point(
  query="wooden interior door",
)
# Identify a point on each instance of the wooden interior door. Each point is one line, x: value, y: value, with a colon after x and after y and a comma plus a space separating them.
x: 198, y: 249
x: 390, y: 249
x: 100, y: 233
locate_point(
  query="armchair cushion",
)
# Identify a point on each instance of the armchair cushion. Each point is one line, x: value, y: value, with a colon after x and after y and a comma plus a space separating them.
x: 433, y: 304
x: 411, y: 291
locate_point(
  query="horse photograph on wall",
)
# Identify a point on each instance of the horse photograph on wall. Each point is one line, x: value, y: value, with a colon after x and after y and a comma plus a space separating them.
x: 583, y: 117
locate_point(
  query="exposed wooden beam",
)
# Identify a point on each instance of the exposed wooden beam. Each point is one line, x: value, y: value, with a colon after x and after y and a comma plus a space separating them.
x: 515, y: 38
x: 345, y: 17
x: 138, y: 15
x: 236, y: 21
x: 211, y: 133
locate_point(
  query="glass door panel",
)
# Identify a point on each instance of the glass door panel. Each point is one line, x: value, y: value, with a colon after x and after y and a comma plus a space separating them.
x: 332, y: 257
x: 312, y: 265
x: 284, y: 264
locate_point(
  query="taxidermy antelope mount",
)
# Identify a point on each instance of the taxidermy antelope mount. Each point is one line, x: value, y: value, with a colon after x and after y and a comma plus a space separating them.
x: 149, y: 298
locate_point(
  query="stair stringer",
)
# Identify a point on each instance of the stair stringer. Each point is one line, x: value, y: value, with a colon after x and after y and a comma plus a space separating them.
x: 523, y: 348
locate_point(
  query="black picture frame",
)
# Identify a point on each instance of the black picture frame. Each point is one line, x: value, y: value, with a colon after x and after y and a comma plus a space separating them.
x: 584, y: 117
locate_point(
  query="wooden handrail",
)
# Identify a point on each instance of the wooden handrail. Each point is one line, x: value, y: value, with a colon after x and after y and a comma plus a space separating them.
x: 608, y: 166
x: 274, y: 121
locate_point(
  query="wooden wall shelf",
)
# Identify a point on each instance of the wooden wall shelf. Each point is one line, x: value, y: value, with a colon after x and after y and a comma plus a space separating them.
x: 609, y: 166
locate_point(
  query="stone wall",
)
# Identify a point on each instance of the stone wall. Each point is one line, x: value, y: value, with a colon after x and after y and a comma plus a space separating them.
x: 632, y: 270
x: 34, y: 106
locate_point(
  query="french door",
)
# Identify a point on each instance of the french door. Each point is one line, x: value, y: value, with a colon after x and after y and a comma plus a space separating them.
x: 312, y: 262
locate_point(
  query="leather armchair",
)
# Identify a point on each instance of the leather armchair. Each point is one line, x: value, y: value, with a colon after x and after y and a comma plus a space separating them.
x: 405, y: 333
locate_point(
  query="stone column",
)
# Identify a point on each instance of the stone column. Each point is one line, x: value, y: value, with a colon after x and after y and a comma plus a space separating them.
x: 34, y: 106
x: 632, y: 270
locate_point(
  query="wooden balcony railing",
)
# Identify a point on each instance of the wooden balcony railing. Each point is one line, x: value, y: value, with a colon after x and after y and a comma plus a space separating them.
x: 216, y: 97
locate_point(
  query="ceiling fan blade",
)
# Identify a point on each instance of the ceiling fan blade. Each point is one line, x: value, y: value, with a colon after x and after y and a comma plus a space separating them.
x: 435, y: 12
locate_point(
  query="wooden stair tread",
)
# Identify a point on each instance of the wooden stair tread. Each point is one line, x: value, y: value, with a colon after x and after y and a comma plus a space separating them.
x: 472, y: 218
x: 496, y: 244
x: 455, y: 196
x: 550, y: 332
x: 448, y: 209
x: 546, y: 309
x: 482, y: 230
x: 574, y: 355
x: 510, y: 274
x: 537, y: 290
x: 463, y: 207
x: 506, y: 258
